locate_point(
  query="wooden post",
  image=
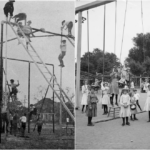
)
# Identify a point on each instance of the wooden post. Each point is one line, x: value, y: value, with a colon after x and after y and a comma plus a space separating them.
x: 53, y: 104
x: 29, y: 65
x: 79, y: 41
x: 115, y: 26
x: 104, y: 39
x: 1, y: 78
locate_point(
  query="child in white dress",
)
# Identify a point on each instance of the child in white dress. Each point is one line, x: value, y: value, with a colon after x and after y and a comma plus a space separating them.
x: 105, y: 97
x: 125, y: 112
x: 84, y: 96
x: 147, y: 103
x: 133, y: 107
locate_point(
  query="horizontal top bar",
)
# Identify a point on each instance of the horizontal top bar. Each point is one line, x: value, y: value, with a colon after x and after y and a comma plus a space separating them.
x: 92, y: 5
x: 27, y: 61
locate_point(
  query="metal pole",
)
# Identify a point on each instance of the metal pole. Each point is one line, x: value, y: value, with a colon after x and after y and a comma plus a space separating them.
x: 104, y: 39
x: 53, y: 104
x: 29, y: 65
x: 1, y: 78
x: 78, y: 59
x: 88, y: 40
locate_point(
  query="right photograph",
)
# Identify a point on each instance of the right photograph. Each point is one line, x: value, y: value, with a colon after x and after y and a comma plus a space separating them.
x: 112, y: 69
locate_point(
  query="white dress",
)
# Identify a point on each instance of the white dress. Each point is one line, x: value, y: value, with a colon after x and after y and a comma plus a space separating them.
x: 147, y: 103
x: 85, y: 95
x: 125, y: 100
x: 132, y: 85
x: 105, y: 96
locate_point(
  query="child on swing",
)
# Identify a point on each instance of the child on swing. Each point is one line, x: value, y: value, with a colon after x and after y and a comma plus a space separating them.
x: 63, y: 53
x: 14, y: 89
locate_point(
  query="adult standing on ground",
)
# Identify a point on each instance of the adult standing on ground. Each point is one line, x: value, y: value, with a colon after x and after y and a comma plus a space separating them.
x: 85, y: 95
x: 114, y: 89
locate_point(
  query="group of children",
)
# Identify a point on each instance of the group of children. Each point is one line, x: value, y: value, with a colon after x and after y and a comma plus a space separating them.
x: 129, y: 101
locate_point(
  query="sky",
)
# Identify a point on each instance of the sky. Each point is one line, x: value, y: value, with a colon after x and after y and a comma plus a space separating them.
x: 133, y: 26
x: 47, y: 15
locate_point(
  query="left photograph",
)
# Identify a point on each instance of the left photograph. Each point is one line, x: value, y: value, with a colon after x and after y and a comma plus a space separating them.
x: 37, y: 74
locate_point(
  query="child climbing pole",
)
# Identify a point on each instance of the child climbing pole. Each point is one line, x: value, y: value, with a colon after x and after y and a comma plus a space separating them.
x: 9, y: 9
x: 67, y: 25
x: 14, y: 89
x: 63, y: 53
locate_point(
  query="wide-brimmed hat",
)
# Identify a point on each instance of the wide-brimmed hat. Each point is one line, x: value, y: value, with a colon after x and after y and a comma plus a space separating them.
x: 11, y: 0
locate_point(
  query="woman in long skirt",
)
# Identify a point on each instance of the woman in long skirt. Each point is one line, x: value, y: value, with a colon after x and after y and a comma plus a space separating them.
x: 114, y: 89
x: 92, y: 106
x: 147, y: 103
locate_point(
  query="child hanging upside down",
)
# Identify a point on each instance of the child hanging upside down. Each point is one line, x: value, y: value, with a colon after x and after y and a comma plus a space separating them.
x: 14, y: 89
x: 67, y: 25
x: 63, y: 53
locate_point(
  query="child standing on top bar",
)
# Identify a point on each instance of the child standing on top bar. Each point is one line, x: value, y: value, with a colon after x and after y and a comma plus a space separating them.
x: 63, y: 53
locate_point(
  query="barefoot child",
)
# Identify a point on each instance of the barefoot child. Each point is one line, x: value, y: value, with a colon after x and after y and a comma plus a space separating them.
x: 133, y: 107
x: 147, y: 103
x: 63, y: 53
x: 92, y: 106
x: 105, y: 97
x: 125, y: 112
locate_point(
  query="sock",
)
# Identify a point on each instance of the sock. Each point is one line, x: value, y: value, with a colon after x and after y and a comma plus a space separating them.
x: 126, y: 119
x: 123, y: 119
x: 83, y: 108
x: 116, y: 99
x: 149, y: 115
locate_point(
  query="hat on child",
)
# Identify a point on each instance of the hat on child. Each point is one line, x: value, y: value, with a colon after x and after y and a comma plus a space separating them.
x: 12, y: 80
x: 11, y: 0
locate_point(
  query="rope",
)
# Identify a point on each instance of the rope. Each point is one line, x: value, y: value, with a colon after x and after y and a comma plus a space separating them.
x: 115, y: 26
x: 142, y: 27
x: 88, y: 40
x: 123, y: 28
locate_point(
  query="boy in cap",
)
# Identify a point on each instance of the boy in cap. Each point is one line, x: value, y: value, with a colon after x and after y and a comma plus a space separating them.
x: 63, y: 52
x: 67, y: 25
x: 9, y: 9
x: 14, y: 89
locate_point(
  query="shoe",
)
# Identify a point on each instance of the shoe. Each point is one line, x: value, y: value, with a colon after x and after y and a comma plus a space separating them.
x: 123, y: 124
x: 132, y: 119
x: 135, y: 119
x: 148, y: 121
x: 128, y: 123
x: 117, y: 104
x: 103, y: 114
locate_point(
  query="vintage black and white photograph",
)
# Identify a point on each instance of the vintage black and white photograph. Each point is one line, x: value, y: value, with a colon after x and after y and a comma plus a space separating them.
x: 37, y: 74
x: 112, y: 64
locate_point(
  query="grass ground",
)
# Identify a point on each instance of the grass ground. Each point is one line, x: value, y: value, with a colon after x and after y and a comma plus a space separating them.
x: 47, y: 140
